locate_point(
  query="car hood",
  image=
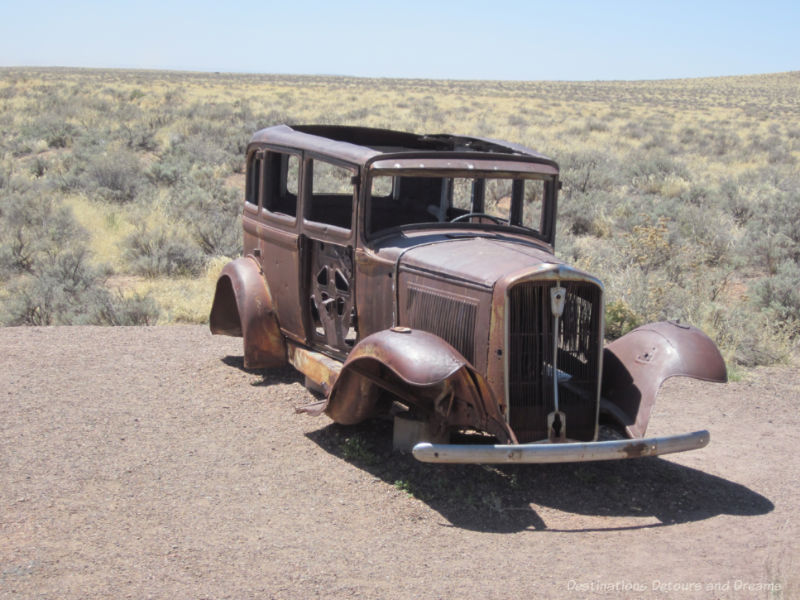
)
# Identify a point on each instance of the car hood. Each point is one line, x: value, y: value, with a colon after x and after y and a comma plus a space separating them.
x: 478, y: 259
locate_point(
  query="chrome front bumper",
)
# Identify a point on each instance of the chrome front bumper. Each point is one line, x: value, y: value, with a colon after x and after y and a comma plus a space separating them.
x: 559, y: 453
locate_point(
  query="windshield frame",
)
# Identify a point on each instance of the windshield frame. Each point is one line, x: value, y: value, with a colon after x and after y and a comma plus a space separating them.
x: 467, y: 169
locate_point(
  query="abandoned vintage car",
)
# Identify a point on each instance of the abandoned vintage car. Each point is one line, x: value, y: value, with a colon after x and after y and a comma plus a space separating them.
x: 418, y: 271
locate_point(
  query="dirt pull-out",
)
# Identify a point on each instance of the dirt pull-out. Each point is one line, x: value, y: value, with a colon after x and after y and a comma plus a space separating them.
x: 145, y: 462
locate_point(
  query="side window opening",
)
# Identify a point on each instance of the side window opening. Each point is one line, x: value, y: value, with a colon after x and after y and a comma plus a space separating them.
x: 281, y: 179
x: 332, y: 194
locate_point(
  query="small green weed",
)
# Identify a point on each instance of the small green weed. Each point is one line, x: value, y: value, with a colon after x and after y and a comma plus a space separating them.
x: 354, y: 448
x: 404, y: 486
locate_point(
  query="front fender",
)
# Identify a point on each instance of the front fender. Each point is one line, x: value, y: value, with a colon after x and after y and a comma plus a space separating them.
x: 243, y: 307
x: 635, y: 366
x: 424, y: 372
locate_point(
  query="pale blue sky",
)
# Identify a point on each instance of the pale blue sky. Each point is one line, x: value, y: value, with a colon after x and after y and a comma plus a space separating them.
x: 491, y: 39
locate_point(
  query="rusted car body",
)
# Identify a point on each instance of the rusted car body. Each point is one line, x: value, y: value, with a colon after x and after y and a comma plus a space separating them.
x: 395, y: 269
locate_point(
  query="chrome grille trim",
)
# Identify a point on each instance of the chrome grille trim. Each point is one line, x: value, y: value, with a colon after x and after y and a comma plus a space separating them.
x: 529, y: 335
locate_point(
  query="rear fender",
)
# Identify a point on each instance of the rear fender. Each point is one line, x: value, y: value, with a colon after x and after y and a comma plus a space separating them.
x: 243, y: 308
x: 424, y: 372
x: 635, y: 366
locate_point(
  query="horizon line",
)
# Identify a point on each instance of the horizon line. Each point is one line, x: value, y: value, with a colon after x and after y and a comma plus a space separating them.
x: 382, y: 77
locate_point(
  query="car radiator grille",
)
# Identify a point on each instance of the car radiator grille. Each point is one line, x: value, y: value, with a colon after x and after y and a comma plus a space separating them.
x: 530, y: 358
x: 451, y: 318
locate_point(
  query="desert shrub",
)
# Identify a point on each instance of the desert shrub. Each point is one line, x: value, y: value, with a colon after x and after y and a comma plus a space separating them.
x: 620, y: 319
x: 118, y: 309
x: 60, y: 293
x: 749, y: 337
x: 585, y: 171
x: 51, y: 128
x: 71, y: 291
x: 140, y: 136
x: 186, y: 154
x: 705, y: 236
x: 116, y: 176
x: 659, y: 142
x: 34, y: 229
x: 514, y: 120
x: 203, y: 150
x: 646, y: 171
x: 654, y: 296
x: 211, y: 211
x: 48, y: 269
x: 38, y: 166
x: 8, y: 91
x: 67, y: 173
x: 633, y: 130
x: 762, y: 145
x: 594, y: 124
x: 171, y: 167
x: 6, y: 171
x: 158, y: 250
x: 218, y: 112
x: 688, y: 135
x: 165, y: 173
x: 779, y: 296
x: 781, y: 155
x: 588, y: 213
x: 734, y: 201
x: 217, y: 133
x: 647, y: 245
x: 218, y: 230
x: 772, y: 235
x: 719, y: 142
x: 44, y: 260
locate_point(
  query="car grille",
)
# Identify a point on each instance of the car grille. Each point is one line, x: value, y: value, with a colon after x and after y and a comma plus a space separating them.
x: 530, y: 358
x: 450, y: 317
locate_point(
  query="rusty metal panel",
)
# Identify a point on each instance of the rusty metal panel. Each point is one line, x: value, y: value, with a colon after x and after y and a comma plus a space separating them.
x: 422, y: 371
x: 279, y: 256
x: 242, y: 289
x: 457, y: 313
x: 434, y: 165
x: 375, y: 276
x: 331, y: 296
x: 362, y: 144
x: 289, y: 137
x: 638, y: 363
x: 320, y: 369
x: 477, y: 259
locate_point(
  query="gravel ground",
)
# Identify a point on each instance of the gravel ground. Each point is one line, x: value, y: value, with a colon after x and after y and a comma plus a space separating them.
x: 146, y: 462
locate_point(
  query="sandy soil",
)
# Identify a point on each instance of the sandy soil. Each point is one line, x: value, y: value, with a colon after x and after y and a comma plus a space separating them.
x: 145, y: 462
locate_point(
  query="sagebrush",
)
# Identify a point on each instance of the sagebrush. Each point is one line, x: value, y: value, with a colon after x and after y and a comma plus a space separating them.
x: 682, y: 195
